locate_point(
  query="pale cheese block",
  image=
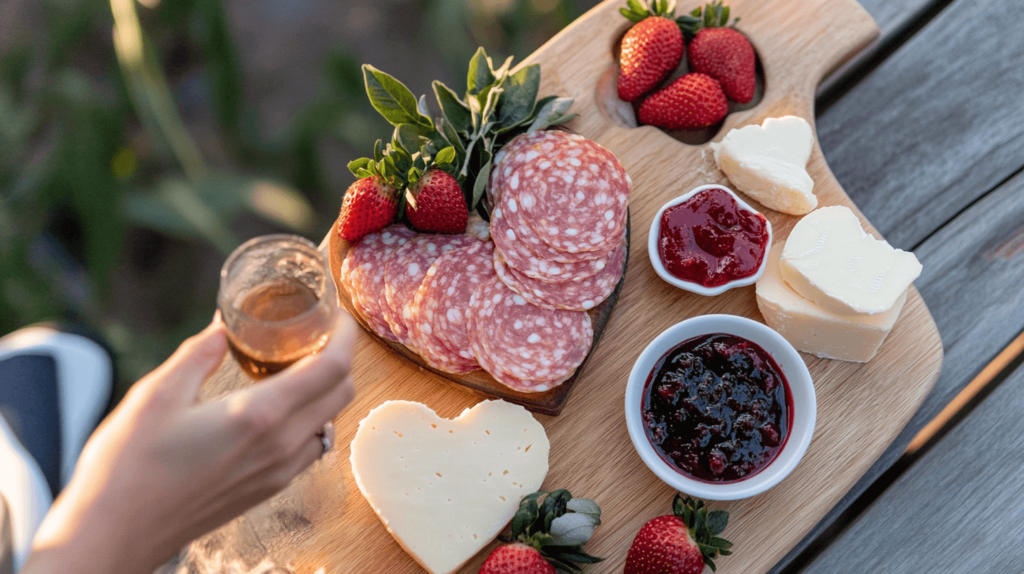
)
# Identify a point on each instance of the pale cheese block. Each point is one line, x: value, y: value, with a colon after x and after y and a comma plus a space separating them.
x: 768, y: 162
x: 831, y: 260
x: 814, y: 330
x: 445, y: 488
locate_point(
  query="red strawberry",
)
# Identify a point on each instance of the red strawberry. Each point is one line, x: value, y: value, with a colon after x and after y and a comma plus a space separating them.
x: 720, y: 52
x: 436, y: 203
x: 693, y: 101
x: 651, y: 49
x: 679, y: 543
x: 369, y: 205
x: 516, y: 558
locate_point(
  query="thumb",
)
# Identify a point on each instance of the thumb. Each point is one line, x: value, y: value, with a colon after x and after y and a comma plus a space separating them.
x: 195, y: 360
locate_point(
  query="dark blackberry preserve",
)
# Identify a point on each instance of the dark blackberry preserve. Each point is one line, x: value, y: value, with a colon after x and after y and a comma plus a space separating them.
x: 718, y: 408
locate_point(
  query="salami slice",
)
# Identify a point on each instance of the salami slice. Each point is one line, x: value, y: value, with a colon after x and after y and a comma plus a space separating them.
x: 571, y: 295
x: 520, y: 151
x: 514, y: 245
x: 405, y: 271
x: 362, y: 274
x: 438, y: 313
x: 524, y: 346
x: 574, y: 200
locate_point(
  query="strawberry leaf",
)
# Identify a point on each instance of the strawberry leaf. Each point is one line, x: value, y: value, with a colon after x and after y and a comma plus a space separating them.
x: 717, y: 521
x: 358, y: 165
x: 392, y: 99
x: 445, y: 157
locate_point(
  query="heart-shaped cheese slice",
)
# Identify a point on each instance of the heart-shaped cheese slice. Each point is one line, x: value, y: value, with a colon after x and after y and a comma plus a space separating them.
x: 768, y: 162
x: 445, y: 488
x: 830, y: 260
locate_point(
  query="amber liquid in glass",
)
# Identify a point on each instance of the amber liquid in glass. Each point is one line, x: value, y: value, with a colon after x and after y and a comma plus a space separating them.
x: 279, y: 300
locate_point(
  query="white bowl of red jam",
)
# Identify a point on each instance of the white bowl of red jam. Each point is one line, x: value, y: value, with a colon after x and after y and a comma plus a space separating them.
x: 720, y: 407
x: 709, y: 241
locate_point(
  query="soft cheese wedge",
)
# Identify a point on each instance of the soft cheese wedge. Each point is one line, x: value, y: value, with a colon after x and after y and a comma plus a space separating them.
x: 814, y: 330
x: 768, y: 162
x: 445, y: 488
x: 831, y: 260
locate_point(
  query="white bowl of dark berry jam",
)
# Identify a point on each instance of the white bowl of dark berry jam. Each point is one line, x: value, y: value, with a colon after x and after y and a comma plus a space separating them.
x: 720, y: 407
x: 708, y: 241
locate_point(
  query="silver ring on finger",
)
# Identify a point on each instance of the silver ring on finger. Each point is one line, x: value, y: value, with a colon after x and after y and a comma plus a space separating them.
x: 326, y: 436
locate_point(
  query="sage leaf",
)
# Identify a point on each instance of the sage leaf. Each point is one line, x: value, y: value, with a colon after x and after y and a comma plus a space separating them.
x: 551, y: 114
x: 453, y: 109
x: 479, y: 75
x: 520, y: 97
x: 480, y: 185
x: 587, y: 508
x: 392, y: 99
x: 571, y: 529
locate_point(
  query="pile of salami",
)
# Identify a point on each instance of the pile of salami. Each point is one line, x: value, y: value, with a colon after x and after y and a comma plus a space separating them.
x: 515, y: 307
x: 558, y: 219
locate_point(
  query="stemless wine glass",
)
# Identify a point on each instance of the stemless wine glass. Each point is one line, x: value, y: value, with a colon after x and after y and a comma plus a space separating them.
x: 278, y: 302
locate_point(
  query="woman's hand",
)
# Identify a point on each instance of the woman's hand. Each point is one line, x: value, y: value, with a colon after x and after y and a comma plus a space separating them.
x: 164, y: 468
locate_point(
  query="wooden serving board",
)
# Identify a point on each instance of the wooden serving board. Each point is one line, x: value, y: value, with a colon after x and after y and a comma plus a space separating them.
x: 323, y: 524
x: 550, y: 402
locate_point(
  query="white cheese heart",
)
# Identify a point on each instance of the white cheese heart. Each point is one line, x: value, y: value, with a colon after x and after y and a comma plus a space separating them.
x: 814, y: 330
x: 768, y: 162
x: 830, y: 260
x: 445, y: 488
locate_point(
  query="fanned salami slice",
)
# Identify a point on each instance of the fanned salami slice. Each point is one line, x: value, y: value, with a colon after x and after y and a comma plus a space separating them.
x: 438, y: 313
x: 513, y: 243
x: 571, y: 295
x: 519, y: 151
x: 523, y: 345
x: 362, y: 273
x: 574, y: 200
x: 405, y: 271
x: 512, y: 212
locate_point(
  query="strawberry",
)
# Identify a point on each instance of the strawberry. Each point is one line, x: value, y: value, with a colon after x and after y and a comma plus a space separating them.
x: 435, y: 203
x: 547, y: 535
x: 516, y: 558
x: 679, y: 543
x: 651, y: 49
x: 693, y: 101
x: 720, y: 52
x: 368, y: 206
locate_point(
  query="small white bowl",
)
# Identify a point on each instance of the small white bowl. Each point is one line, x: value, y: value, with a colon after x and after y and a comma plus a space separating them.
x: 659, y: 267
x: 793, y: 368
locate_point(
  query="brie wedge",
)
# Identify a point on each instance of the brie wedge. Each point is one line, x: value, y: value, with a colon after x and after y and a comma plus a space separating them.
x: 445, y: 488
x: 830, y: 260
x: 814, y: 330
x: 768, y: 162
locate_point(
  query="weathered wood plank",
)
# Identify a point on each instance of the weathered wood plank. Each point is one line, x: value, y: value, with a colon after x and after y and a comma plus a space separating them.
x: 936, y: 125
x: 958, y: 509
x: 893, y: 18
x: 973, y: 273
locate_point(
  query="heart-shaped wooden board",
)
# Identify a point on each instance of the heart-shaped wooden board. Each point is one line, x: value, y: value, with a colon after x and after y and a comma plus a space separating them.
x: 861, y: 407
x: 550, y: 402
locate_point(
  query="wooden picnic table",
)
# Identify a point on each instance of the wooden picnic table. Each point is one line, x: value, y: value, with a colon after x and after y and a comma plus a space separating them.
x: 925, y: 132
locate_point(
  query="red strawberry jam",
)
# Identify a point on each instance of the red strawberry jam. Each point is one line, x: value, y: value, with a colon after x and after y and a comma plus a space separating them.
x: 710, y: 240
x: 717, y: 408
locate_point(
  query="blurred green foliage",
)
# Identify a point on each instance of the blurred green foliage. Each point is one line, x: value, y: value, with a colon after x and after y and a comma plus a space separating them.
x: 100, y: 158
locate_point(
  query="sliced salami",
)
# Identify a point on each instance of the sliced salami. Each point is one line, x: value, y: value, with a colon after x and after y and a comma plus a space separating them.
x: 514, y: 244
x: 574, y: 200
x: 362, y: 274
x: 524, y: 346
x: 438, y: 312
x: 405, y: 271
x: 520, y: 151
x: 571, y: 295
